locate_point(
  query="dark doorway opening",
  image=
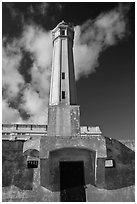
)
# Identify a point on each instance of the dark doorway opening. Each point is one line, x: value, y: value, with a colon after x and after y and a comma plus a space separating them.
x: 72, y: 181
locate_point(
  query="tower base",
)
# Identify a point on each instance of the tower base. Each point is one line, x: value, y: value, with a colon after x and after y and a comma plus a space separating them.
x: 63, y: 120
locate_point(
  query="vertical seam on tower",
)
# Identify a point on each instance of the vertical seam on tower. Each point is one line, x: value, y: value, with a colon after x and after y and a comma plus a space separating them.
x: 51, y: 80
x: 68, y: 70
x: 60, y: 68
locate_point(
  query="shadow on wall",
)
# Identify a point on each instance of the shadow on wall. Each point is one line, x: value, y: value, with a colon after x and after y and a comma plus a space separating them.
x: 14, y: 171
x: 122, y: 174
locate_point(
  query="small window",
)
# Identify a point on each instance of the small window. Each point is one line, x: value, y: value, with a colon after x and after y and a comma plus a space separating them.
x: 109, y: 163
x: 63, y: 75
x: 63, y: 94
x: 62, y: 32
x: 17, y: 127
x: 32, y: 164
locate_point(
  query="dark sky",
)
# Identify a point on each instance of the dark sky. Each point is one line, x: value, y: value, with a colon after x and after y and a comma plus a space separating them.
x: 106, y: 97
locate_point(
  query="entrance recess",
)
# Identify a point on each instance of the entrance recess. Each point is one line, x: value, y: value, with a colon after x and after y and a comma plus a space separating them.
x: 72, y: 181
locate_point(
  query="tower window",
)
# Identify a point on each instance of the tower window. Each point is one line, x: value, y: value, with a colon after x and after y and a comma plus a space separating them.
x: 62, y: 32
x: 63, y: 94
x: 63, y: 75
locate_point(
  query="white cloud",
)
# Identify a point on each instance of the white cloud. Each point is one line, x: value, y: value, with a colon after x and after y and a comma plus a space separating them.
x: 12, y: 80
x: 85, y: 56
x: 39, y: 43
x: 10, y: 115
x: 40, y: 118
x: 94, y: 36
x: 41, y: 80
x: 34, y: 105
x: 35, y: 97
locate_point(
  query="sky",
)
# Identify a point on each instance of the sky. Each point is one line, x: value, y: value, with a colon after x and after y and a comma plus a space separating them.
x: 104, y: 59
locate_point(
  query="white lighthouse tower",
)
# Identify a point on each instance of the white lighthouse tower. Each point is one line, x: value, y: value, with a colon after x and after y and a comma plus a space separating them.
x: 63, y: 116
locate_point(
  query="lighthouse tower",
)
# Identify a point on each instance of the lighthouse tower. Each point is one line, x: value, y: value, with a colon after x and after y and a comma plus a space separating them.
x: 63, y: 111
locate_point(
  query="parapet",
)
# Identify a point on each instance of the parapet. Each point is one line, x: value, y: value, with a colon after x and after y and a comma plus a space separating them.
x: 23, y: 128
x: 20, y: 131
x: 90, y: 130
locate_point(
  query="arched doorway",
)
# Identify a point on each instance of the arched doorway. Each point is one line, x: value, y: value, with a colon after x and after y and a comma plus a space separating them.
x: 71, y: 169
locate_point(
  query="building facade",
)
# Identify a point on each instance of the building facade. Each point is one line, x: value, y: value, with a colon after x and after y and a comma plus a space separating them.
x: 63, y: 161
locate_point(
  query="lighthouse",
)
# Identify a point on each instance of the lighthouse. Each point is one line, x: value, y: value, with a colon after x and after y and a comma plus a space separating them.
x: 63, y: 111
x: 61, y: 160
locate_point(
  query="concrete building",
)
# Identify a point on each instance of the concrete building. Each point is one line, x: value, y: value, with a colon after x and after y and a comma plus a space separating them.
x: 63, y: 161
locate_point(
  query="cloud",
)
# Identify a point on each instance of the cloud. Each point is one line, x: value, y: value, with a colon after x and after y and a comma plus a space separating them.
x: 10, y: 115
x: 12, y: 80
x: 96, y: 35
x: 12, y: 10
x: 41, y: 80
x: 91, y: 38
x: 39, y: 8
x: 34, y: 105
x: 35, y: 97
x: 38, y: 42
x: 85, y: 56
x: 43, y: 8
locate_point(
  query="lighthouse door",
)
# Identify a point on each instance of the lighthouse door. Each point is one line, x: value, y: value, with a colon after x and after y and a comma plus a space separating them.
x: 72, y: 181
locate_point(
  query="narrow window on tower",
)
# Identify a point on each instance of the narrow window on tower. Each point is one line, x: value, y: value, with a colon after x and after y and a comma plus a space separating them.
x: 63, y: 94
x: 63, y: 75
x: 62, y: 32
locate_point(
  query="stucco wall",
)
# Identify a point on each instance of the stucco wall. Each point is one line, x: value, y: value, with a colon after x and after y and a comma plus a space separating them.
x: 14, y: 171
x: 93, y: 194
x: 123, y: 172
x: 51, y: 178
x: 126, y: 194
x: 117, y: 183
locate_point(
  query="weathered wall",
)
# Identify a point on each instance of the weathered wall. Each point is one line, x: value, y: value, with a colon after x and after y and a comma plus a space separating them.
x: 95, y: 143
x: 126, y: 194
x: 63, y: 120
x: 93, y: 194
x: 51, y: 178
x: 14, y: 194
x: 123, y: 172
x: 14, y: 171
x: 112, y: 184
